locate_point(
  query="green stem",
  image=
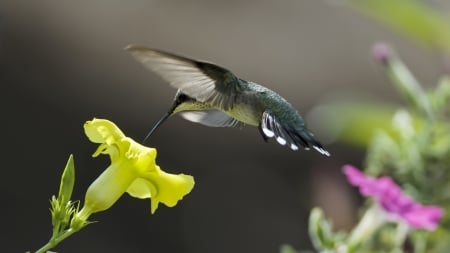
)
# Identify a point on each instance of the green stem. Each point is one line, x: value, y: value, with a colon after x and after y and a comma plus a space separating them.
x: 401, y: 235
x: 373, y: 218
x: 56, y: 230
x: 408, y: 85
x: 56, y: 240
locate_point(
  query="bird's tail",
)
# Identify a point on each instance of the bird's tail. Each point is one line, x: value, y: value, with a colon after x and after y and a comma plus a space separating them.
x: 306, y: 139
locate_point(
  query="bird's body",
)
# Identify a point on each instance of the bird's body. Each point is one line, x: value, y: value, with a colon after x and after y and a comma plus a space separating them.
x: 249, y: 104
x: 213, y: 96
x: 255, y: 99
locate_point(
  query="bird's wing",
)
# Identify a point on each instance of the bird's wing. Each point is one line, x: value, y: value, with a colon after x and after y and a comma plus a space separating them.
x: 206, y: 82
x: 271, y: 127
x: 211, y: 118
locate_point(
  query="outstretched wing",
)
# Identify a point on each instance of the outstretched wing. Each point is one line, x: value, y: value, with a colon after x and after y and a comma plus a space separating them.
x: 206, y: 82
x: 271, y: 127
x: 211, y: 118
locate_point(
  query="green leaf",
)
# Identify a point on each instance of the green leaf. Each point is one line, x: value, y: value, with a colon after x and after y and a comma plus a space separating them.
x: 67, y: 182
x: 320, y: 230
x: 440, y: 97
x: 285, y: 248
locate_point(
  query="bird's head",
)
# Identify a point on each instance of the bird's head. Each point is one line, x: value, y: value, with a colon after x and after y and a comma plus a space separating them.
x: 181, y: 102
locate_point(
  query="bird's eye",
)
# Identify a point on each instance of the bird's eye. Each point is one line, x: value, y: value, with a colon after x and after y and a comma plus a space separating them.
x: 182, y: 98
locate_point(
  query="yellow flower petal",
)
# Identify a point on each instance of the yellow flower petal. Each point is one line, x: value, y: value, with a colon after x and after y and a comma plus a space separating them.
x: 108, y: 187
x: 161, y: 187
x: 102, y: 131
x: 133, y: 169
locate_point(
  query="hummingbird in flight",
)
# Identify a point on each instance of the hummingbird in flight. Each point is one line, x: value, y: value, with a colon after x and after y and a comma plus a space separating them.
x: 213, y: 96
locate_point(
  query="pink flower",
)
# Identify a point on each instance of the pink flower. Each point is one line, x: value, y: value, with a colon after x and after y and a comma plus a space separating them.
x: 393, y: 201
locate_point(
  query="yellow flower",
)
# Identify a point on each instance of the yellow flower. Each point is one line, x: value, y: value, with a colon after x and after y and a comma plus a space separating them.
x: 133, y: 170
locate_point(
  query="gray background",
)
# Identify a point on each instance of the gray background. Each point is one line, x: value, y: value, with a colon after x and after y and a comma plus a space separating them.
x: 62, y: 63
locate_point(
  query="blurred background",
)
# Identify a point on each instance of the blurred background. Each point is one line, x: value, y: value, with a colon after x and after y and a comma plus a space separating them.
x: 62, y: 63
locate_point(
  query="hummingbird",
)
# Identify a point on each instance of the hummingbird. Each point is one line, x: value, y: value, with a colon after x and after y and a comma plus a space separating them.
x: 213, y: 96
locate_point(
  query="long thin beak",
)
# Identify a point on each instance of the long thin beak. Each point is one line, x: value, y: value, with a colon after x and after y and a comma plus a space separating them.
x: 163, y: 118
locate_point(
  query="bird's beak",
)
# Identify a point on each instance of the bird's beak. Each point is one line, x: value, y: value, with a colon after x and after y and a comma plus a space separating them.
x: 164, y: 117
x: 160, y: 121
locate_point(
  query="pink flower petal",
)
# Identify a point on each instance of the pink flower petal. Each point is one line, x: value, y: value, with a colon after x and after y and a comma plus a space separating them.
x: 394, y: 202
x: 426, y: 217
x: 354, y: 176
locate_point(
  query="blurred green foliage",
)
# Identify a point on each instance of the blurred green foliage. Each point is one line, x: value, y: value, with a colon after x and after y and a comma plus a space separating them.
x: 411, y: 144
x: 418, y: 156
x: 412, y: 17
